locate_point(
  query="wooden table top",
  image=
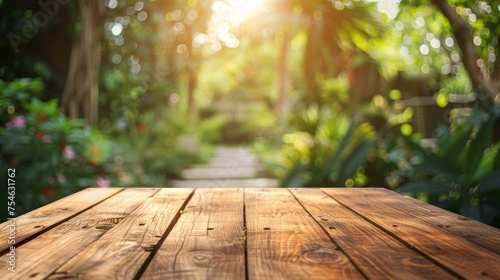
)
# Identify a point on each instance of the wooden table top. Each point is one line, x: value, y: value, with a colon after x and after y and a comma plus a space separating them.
x: 275, y: 233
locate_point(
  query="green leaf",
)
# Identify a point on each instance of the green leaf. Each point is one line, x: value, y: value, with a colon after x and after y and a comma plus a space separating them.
x: 335, y: 158
x: 425, y: 186
x: 496, y: 160
x: 489, y: 183
x: 293, y: 175
x: 354, y: 159
x: 416, y: 147
x: 432, y: 164
x: 436, y: 170
x: 475, y: 149
x: 452, y: 151
x: 496, y: 111
x: 478, y: 118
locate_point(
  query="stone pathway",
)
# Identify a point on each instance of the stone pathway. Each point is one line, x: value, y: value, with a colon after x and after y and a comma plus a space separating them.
x: 231, y: 167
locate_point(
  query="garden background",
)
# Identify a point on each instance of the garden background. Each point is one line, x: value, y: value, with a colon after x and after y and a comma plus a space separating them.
x: 338, y: 93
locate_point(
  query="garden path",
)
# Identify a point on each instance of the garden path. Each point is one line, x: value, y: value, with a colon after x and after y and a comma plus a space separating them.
x: 231, y: 167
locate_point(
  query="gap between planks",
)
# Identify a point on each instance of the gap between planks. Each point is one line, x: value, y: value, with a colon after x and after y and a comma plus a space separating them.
x: 51, y: 250
x: 335, y: 195
x: 36, y: 222
x: 122, y: 251
x: 413, y: 229
x: 374, y: 252
x: 285, y: 242
x: 206, y: 241
x: 164, y: 236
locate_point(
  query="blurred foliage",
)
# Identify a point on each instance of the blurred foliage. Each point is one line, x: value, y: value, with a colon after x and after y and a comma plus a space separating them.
x: 325, y: 149
x: 322, y: 87
x: 241, y: 90
x: 429, y: 25
x: 461, y: 173
x: 141, y: 94
x: 53, y: 156
x: 335, y: 33
x: 428, y: 45
x: 413, y: 54
x: 37, y: 48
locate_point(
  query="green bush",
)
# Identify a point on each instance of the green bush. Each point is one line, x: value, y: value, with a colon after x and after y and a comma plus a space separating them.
x: 326, y: 148
x: 210, y: 129
x: 462, y: 172
x: 53, y: 156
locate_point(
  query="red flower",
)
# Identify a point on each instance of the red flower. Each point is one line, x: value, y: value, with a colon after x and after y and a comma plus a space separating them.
x: 12, y: 162
x: 39, y: 134
x: 49, y: 191
x: 141, y: 128
x: 42, y: 117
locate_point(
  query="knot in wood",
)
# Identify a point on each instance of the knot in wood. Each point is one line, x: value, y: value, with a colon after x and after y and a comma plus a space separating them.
x: 320, y: 256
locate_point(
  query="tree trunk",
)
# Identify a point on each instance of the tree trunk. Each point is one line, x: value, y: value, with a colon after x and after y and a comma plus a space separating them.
x: 80, y: 96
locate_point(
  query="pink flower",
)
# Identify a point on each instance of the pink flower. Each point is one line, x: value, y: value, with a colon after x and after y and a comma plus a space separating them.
x: 61, y: 178
x: 16, y: 122
x: 102, y: 183
x: 68, y: 152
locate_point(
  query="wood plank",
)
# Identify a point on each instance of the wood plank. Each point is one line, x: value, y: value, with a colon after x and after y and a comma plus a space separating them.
x: 377, y: 254
x: 480, y: 234
x: 449, y: 250
x: 120, y: 252
x: 284, y: 241
x: 41, y: 256
x: 45, y: 217
x: 207, y: 241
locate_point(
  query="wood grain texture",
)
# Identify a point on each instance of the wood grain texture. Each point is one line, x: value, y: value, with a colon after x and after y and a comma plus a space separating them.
x: 47, y: 252
x: 255, y: 233
x: 449, y: 250
x: 285, y: 242
x: 138, y: 234
x: 44, y: 217
x: 478, y: 233
x: 207, y: 242
x: 377, y: 254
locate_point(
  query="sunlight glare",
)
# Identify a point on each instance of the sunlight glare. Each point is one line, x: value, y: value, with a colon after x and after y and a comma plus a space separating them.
x: 227, y: 15
x: 241, y: 9
x: 117, y: 29
x: 389, y: 7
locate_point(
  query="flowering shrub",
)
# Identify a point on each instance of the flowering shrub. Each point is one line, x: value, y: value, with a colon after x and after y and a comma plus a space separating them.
x: 53, y: 155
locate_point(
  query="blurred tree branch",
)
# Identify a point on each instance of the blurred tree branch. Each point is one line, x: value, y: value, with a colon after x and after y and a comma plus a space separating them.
x: 487, y: 85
